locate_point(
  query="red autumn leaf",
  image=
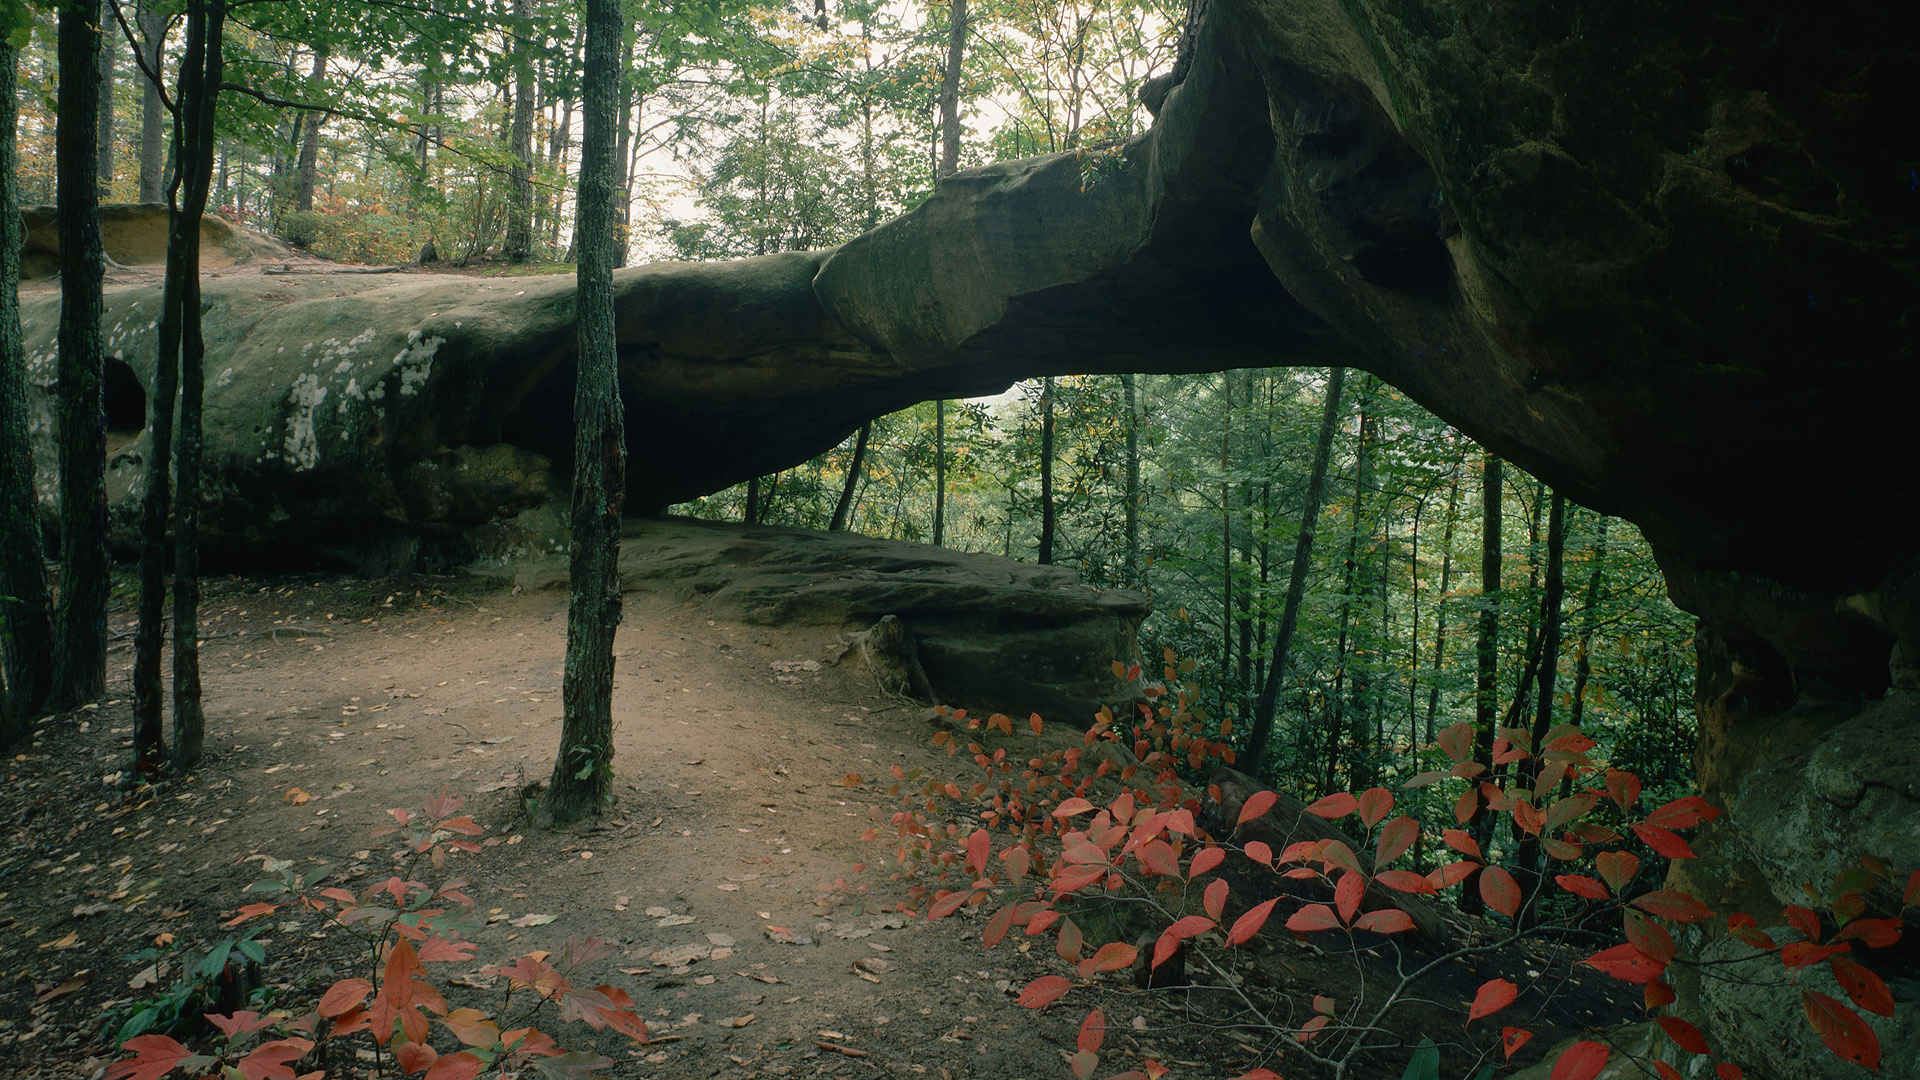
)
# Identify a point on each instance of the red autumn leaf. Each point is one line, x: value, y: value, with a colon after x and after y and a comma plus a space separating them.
x: 1457, y: 741
x: 1256, y: 806
x: 1384, y: 921
x: 1580, y: 885
x: 1624, y: 787
x: 1070, y: 807
x: 1841, y: 1029
x: 1581, y: 1061
x: 1664, y: 841
x: 1462, y: 842
x: 1157, y: 857
x: 1092, y: 1030
x: 947, y: 903
x: 1406, y: 881
x: 998, y: 926
x: 979, y: 845
x: 1866, y: 989
x: 1259, y: 852
x: 1512, y: 1039
x: 251, y: 911
x: 343, y: 995
x: 1878, y: 933
x: 1452, y: 873
x: 1684, y: 1035
x: 1374, y: 804
x: 1529, y: 819
x: 273, y: 1060
x: 1666, y: 1071
x: 1911, y: 898
x: 1205, y: 860
x: 1113, y: 956
x: 1164, y: 947
x: 1041, y: 922
x: 1259, y: 1074
x: 1727, y: 1070
x: 1311, y: 918
x: 1425, y: 779
x: 1334, y: 806
x: 1801, y: 954
x: 1311, y: 1028
x: 1803, y: 920
x: 1493, y: 995
x: 1044, y: 991
x: 1347, y: 894
x: 154, y: 1056
x: 1466, y: 804
x: 1250, y: 923
x: 1673, y: 906
x: 1617, y: 867
x: 1626, y: 963
x: 1657, y: 994
x: 1646, y: 935
x: 1190, y: 927
x: 1067, y: 879
x: 1396, y: 837
x: 414, y: 1057
x: 1500, y: 891
x: 439, y: 950
x: 1683, y: 813
x: 460, y: 1066
x: 1067, y: 945
x: 1215, y: 898
x: 244, y: 1022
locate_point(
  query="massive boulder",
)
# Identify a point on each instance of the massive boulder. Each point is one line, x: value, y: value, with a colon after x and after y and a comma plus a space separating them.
x: 1660, y: 254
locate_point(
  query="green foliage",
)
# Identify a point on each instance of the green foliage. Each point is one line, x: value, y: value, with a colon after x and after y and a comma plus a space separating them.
x: 216, y: 981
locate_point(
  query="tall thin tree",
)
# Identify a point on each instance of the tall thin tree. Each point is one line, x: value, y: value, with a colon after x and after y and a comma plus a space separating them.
x: 153, y: 126
x: 1486, y: 688
x: 583, y: 768
x: 518, y: 245
x: 1254, y: 761
x: 80, y: 659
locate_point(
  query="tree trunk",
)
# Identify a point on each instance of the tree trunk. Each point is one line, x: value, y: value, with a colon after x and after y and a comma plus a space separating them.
x: 1337, y: 701
x: 950, y: 89
x: 1440, y: 606
x: 1589, y: 617
x: 1487, y: 680
x: 310, y: 134
x: 844, y: 506
x: 1226, y: 533
x: 1046, y: 471
x: 80, y: 663
x: 583, y: 769
x: 202, y: 69
x: 518, y: 245
x: 1133, y: 480
x: 939, y: 471
x: 109, y: 37
x: 751, y: 516
x: 1369, y: 576
x: 1254, y: 761
x: 26, y: 620
x: 1527, y: 855
x: 153, y: 130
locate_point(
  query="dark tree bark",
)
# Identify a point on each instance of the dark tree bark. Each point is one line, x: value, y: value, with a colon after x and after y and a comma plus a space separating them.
x: 950, y: 89
x: 201, y: 73
x: 1133, y: 479
x: 1440, y: 606
x: 1226, y: 528
x: 309, y: 125
x: 1255, y: 759
x: 1527, y: 855
x: 939, y: 471
x: 519, y: 242
x: 1487, y: 679
x: 844, y: 506
x: 153, y: 128
x: 1337, y: 712
x: 26, y: 621
x: 80, y: 662
x: 751, y: 515
x: 1589, y: 617
x: 1046, y: 471
x: 583, y: 769
x: 109, y: 38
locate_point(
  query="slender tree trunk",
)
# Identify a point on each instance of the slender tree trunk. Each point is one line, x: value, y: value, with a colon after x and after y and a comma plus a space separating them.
x: 1338, y: 702
x: 939, y: 471
x: 26, y: 619
x: 583, y: 769
x: 153, y: 128
x: 1046, y: 471
x: 1589, y: 617
x: 1527, y: 855
x: 202, y: 70
x: 844, y: 506
x: 1369, y: 577
x: 310, y: 134
x: 519, y: 242
x: 109, y: 38
x: 1133, y: 479
x: 752, y: 513
x: 950, y: 89
x: 1440, y: 606
x: 1226, y: 531
x: 80, y: 663
x: 1255, y: 759
x: 1487, y: 681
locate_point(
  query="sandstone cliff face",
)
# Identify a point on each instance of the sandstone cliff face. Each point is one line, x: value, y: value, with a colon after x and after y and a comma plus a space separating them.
x: 1661, y: 254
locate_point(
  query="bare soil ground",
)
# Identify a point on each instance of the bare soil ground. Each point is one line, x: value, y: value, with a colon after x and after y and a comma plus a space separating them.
x: 723, y: 874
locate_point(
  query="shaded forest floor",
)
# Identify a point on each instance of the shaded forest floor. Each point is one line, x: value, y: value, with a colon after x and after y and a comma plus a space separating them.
x: 723, y: 875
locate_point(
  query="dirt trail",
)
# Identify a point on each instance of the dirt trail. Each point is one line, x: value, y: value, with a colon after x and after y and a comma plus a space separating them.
x: 714, y: 875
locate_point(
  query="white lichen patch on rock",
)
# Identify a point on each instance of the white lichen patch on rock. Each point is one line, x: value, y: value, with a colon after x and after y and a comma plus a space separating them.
x: 415, y: 362
x: 303, y: 444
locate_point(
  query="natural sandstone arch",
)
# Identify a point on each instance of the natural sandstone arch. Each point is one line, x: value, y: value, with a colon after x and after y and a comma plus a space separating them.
x: 1662, y: 255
